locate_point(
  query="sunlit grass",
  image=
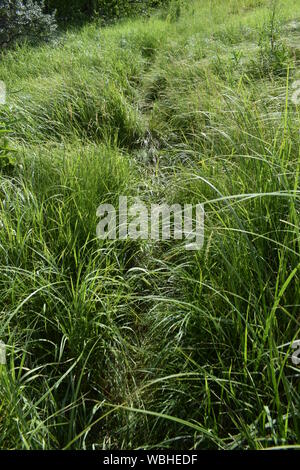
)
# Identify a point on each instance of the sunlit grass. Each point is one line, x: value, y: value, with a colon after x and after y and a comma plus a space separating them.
x: 125, y: 344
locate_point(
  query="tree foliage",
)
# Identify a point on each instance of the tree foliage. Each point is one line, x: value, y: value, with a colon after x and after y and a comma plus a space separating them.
x: 24, y: 20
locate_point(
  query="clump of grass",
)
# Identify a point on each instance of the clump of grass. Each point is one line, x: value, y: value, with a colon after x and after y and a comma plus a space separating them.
x: 129, y: 344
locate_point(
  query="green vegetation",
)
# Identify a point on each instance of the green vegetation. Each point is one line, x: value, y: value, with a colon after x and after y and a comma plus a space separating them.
x: 128, y: 344
x: 27, y: 21
x: 104, y: 8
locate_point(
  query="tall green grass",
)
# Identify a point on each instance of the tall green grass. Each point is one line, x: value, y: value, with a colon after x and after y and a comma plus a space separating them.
x: 129, y: 344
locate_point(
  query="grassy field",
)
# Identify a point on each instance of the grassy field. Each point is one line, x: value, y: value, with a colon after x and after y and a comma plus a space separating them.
x: 130, y: 344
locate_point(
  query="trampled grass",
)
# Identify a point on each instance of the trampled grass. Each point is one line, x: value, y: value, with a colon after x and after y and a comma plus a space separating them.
x: 129, y: 344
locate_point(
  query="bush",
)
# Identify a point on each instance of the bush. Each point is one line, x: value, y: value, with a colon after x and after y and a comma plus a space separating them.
x: 24, y: 20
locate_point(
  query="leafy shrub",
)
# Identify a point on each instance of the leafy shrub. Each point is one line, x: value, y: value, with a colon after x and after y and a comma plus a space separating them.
x: 24, y: 20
